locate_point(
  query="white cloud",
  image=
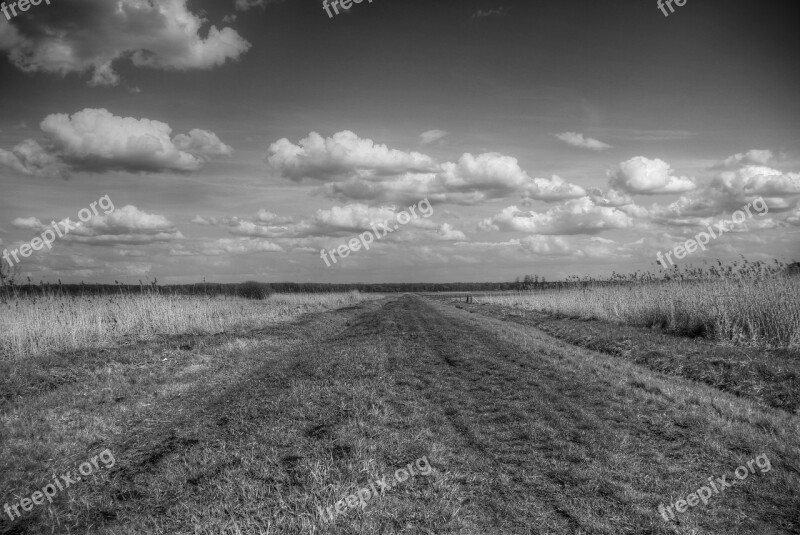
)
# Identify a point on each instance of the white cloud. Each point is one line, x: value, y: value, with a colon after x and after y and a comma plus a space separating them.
x: 127, y: 225
x: 96, y: 141
x: 337, y: 222
x: 547, y: 245
x: 360, y: 170
x: 127, y: 220
x: 732, y: 190
x: 432, y: 136
x: 554, y: 189
x: 578, y: 140
x: 578, y: 216
x: 494, y: 175
x: 77, y: 36
x: 751, y: 157
x: 32, y: 223
x: 609, y: 197
x: 29, y: 158
x: 264, y: 216
x: 758, y: 180
x: 446, y: 232
x: 202, y: 142
x: 206, y: 221
x: 344, y: 154
x: 641, y: 175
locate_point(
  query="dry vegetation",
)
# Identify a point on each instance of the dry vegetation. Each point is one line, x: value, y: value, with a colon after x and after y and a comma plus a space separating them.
x: 748, y: 304
x: 37, y: 325
x: 254, y: 432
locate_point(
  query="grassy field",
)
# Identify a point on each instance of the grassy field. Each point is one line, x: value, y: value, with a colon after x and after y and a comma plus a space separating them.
x: 48, y: 341
x: 259, y: 430
x: 37, y: 326
x: 748, y: 304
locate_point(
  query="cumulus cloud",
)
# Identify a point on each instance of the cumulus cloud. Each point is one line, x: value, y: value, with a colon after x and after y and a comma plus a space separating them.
x: 80, y: 36
x: 578, y: 216
x: 446, y: 232
x: 32, y: 223
x: 751, y: 157
x: 547, y: 245
x: 335, y: 222
x: 610, y: 197
x: 471, y: 180
x: 202, y: 142
x: 578, y: 140
x: 432, y: 136
x: 755, y: 180
x: 94, y: 140
x: 126, y: 225
x: 731, y: 190
x: 128, y: 220
x: 343, y: 154
x: 553, y: 189
x: 263, y: 216
x: 205, y: 221
x: 643, y: 176
x: 359, y: 170
x: 29, y: 158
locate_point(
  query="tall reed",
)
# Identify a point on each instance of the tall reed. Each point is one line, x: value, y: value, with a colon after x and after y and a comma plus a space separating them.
x: 741, y: 303
x: 32, y: 326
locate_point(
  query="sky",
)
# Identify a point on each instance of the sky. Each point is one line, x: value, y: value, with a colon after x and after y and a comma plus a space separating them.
x: 243, y: 140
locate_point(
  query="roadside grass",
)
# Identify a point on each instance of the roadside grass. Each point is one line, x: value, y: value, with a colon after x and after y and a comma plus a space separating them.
x: 34, y: 326
x: 751, y: 304
x: 770, y: 376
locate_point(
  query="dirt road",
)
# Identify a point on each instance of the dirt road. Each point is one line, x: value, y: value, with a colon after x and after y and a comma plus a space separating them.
x: 525, y: 434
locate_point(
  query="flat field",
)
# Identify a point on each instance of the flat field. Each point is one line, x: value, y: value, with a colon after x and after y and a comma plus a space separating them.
x: 511, y: 421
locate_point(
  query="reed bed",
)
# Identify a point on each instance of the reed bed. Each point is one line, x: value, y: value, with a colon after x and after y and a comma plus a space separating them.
x: 37, y: 325
x: 749, y: 304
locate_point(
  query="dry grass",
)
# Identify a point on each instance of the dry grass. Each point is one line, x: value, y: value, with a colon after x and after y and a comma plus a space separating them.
x: 34, y: 326
x: 252, y: 433
x: 743, y: 305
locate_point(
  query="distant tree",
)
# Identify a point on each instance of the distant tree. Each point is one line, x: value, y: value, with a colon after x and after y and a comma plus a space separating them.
x: 253, y: 290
